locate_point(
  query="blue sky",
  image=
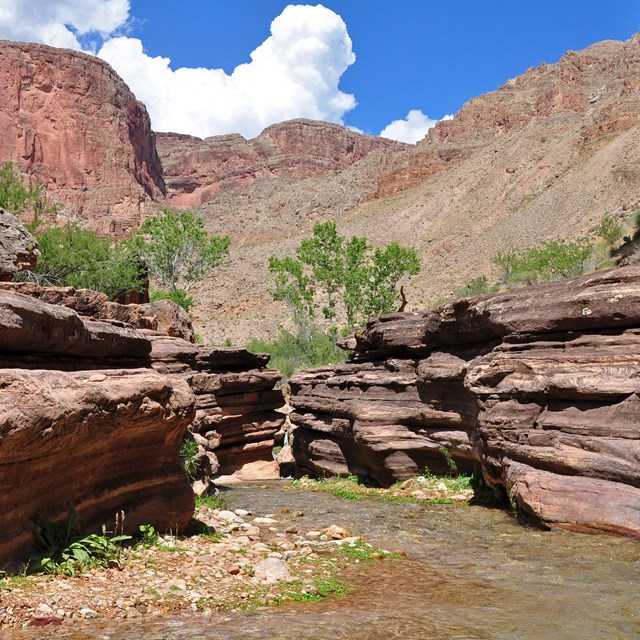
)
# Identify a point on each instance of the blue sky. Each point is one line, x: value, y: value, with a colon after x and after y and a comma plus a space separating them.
x: 410, y: 54
x: 418, y: 56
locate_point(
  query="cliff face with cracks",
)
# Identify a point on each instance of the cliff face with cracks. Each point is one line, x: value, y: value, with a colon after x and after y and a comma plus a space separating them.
x: 71, y: 123
x: 537, y: 385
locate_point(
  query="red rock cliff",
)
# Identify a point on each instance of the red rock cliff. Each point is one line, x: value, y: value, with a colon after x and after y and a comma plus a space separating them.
x: 195, y: 169
x: 68, y: 120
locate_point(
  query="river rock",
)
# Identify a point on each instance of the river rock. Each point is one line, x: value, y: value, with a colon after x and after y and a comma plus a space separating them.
x: 272, y: 570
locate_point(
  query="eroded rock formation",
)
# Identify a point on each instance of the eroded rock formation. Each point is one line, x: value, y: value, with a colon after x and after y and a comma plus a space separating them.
x: 69, y: 120
x: 235, y: 420
x: 81, y: 426
x: 539, y: 385
x: 18, y: 248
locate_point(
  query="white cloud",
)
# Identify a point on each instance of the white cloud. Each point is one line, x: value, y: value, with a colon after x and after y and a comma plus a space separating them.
x: 412, y: 129
x: 294, y: 73
x: 60, y: 23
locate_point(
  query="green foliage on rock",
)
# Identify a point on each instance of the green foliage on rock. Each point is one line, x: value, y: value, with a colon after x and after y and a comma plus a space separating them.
x: 345, y: 280
x: 176, y: 249
x: 291, y: 352
x: 22, y: 198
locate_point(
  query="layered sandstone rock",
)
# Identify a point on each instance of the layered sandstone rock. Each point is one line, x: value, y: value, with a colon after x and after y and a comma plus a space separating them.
x: 81, y: 428
x: 163, y: 316
x: 70, y: 121
x: 538, y: 385
x: 18, y: 248
x: 195, y: 170
x: 236, y: 421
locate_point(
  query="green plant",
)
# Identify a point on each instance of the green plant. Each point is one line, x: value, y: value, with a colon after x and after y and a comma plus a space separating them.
x: 551, y: 261
x: 72, y: 256
x: 212, y: 501
x: 179, y: 296
x: 64, y: 548
x: 148, y: 535
x: 177, y: 250
x: 451, y: 463
x: 291, y: 352
x: 23, y: 198
x: 189, y: 457
x: 343, y: 279
x: 475, y: 287
x: 610, y: 231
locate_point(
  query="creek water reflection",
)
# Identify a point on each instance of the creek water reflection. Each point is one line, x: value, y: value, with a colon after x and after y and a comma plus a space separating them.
x: 471, y: 574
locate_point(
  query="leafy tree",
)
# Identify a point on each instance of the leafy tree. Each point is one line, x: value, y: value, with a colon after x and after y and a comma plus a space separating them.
x: 177, y: 250
x: 23, y: 198
x: 340, y: 277
x: 76, y: 257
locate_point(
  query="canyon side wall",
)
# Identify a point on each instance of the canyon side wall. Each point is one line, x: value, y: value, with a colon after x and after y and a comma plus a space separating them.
x: 85, y: 424
x: 539, y: 386
x: 72, y: 124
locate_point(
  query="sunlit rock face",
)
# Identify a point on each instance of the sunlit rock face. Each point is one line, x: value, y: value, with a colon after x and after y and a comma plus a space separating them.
x: 70, y: 122
x: 538, y: 386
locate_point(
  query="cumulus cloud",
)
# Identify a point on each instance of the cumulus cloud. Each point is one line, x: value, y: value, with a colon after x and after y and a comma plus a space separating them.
x: 294, y: 73
x: 412, y: 129
x: 60, y: 23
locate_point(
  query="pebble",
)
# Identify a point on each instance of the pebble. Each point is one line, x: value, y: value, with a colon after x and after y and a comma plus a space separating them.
x: 264, y: 521
x: 87, y: 613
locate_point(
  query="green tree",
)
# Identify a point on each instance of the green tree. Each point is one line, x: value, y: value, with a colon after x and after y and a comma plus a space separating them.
x: 340, y: 278
x: 22, y: 198
x: 76, y: 257
x: 176, y: 249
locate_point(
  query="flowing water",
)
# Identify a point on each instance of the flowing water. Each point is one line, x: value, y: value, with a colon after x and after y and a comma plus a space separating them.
x: 470, y: 573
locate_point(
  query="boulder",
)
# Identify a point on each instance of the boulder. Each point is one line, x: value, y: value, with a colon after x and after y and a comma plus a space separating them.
x: 18, y: 248
x: 99, y: 442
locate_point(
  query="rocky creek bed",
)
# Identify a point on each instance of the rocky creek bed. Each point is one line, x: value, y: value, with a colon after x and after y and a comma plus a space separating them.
x: 469, y: 572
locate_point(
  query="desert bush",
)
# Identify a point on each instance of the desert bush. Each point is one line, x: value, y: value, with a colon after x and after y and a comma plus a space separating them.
x: 291, y: 352
x: 179, y: 296
x: 610, y: 230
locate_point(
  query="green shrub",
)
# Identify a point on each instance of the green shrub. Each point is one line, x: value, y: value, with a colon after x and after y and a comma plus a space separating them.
x: 71, y: 256
x: 22, y: 198
x: 64, y: 548
x: 476, y: 287
x: 189, y: 457
x: 610, y: 231
x: 291, y: 352
x: 552, y: 261
x: 179, y: 296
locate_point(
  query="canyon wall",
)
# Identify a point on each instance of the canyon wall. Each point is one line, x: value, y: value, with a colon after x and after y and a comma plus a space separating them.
x: 72, y: 124
x: 85, y: 424
x: 538, y: 386
x: 195, y: 170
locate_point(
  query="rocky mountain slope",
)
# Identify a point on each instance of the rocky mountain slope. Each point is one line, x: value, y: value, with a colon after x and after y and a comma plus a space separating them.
x: 543, y: 157
x: 70, y: 122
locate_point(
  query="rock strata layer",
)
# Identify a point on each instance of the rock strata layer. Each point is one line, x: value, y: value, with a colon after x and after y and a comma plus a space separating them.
x: 538, y: 385
x: 81, y: 427
x: 70, y: 121
x: 235, y: 422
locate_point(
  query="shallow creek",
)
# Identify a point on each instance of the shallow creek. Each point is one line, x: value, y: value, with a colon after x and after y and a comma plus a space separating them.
x: 470, y: 573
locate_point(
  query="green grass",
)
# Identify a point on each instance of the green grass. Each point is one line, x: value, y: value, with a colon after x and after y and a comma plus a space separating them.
x: 212, y: 501
x: 292, y: 352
